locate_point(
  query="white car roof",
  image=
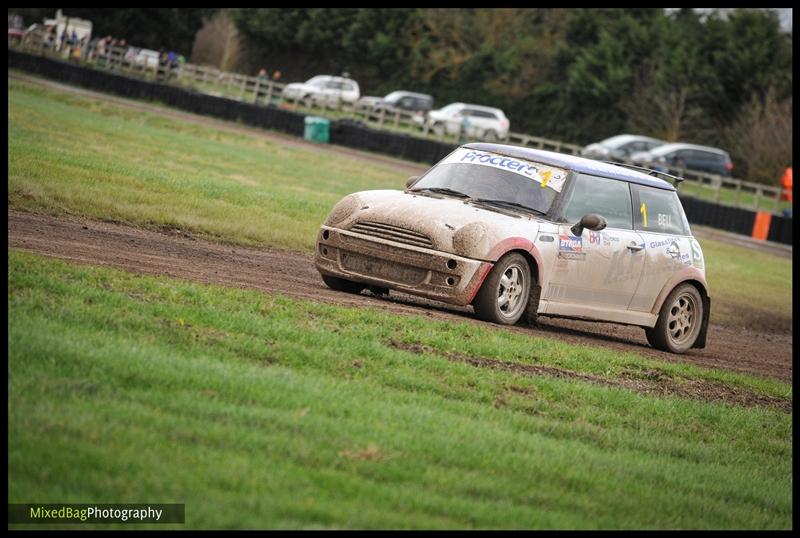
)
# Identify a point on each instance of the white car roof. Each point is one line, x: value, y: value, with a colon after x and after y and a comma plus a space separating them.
x: 332, y: 78
x: 476, y: 107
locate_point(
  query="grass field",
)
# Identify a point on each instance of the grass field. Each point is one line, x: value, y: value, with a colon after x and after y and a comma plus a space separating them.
x: 108, y: 162
x: 261, y: 411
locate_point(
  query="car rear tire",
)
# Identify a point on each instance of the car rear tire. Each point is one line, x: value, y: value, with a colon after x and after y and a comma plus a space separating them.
x: 679, y: 321
x: 340, y: 284
x: 490, y: 136
x: 505, y: 294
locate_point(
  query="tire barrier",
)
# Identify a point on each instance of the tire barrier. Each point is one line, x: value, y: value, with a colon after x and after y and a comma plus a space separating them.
x: 346, y: 132
x: 780, y: 230
x: 761, y: 225
x: 354, y: 134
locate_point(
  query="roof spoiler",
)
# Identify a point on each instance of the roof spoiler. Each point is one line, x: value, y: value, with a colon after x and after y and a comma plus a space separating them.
x: 649, y: 172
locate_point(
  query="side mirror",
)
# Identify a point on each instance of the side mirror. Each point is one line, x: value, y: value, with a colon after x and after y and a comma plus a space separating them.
x: 410, y: 181
x: 591, y: 221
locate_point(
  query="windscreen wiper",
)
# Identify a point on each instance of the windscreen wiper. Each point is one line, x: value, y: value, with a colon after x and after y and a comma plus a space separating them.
x: 507, y: 204
x: 442, y: 190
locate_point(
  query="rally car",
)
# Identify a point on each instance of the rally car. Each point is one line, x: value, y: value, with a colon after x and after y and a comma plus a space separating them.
x: 519, y: 233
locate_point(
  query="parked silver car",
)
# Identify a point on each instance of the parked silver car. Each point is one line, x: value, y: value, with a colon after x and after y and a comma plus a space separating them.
x: 323, y: 89
x: 620, y: 147
x: 518, y: 233
x: 476, y: 121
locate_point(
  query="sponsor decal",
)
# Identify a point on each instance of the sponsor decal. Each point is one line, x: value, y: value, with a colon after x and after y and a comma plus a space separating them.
x: 697, y: 255
x: 570, y: 243
x: 579, y: 256
x: 674, y: 250
x: 664, y: 220
x: 662, y: 243
x: 608, y: 239
x: 545, y: 176
x: 595, y: 238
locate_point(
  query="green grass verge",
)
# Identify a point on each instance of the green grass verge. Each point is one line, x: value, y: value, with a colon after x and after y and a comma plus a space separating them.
x: 749, y: 288
x: 261, y: 411
x: 75, y: 155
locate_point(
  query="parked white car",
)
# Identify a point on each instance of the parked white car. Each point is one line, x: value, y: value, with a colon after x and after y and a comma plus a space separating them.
x: 147, y: 58
x: 323, y: 89
x: 474, y: 121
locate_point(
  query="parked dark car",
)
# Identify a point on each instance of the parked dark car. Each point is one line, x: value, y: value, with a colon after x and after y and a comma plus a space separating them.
x: 409, y: 101
x: 689, y: 156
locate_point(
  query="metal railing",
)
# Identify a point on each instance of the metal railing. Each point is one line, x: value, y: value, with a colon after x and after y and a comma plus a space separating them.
x: 264, y: 91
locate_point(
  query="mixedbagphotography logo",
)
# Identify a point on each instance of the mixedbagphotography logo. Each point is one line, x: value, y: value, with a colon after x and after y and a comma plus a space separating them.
x: 96, y: 513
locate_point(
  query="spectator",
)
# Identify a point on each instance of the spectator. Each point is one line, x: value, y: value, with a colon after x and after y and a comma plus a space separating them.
x: 163, y: 61
x: 172, y: 62
x: 786, y: 183
x: 276, y: 75
x: 63, y: 40
x: 263, y: 80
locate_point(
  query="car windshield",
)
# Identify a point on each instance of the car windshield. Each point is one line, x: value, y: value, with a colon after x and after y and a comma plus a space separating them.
x: 451, y: 109
x: 616, y: 141
x: 317, y: 81
x: 484, y: 176
x: 394, y: 96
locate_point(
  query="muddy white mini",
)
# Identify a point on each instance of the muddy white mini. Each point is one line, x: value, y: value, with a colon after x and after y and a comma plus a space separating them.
x: 519, y: 233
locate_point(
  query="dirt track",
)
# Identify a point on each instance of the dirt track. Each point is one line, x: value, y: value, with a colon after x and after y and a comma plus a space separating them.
x: 182, y: 255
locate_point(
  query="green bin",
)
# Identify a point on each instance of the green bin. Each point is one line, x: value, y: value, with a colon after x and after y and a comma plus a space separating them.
x: 317, y: 129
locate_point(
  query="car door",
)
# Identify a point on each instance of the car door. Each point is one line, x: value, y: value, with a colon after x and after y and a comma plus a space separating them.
x: 596, y: 272
x: 331, y: 91
x: 660, y: 220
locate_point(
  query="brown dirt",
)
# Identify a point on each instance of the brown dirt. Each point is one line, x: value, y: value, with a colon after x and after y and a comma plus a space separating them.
x: 651, y: 381
x: 179, y: 254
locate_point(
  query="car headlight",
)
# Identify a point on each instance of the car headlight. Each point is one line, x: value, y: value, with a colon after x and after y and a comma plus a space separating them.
x: 341, y: 211
x: 469, y: 240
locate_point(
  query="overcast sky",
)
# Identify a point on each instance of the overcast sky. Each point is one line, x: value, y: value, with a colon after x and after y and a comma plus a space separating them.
x: 785, y: 14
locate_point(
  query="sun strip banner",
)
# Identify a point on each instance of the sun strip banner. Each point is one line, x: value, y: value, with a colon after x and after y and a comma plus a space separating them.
x: 545, y: 176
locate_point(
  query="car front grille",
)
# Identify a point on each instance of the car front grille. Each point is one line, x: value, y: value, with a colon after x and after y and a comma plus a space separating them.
x: 392, y: 233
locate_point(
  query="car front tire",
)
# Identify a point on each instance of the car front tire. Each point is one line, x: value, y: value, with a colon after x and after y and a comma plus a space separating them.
x: 679, y: 321
x: 505, y: 293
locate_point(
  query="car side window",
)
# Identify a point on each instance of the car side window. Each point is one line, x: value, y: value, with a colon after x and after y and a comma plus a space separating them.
x: 610, y: 198
x: 659, y: 211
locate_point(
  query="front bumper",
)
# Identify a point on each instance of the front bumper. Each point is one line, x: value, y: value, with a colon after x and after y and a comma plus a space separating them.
x: 378, y: 262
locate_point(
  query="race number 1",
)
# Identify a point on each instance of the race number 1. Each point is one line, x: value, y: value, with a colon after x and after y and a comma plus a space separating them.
x: 643, y: 211
x: 546, y: 177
